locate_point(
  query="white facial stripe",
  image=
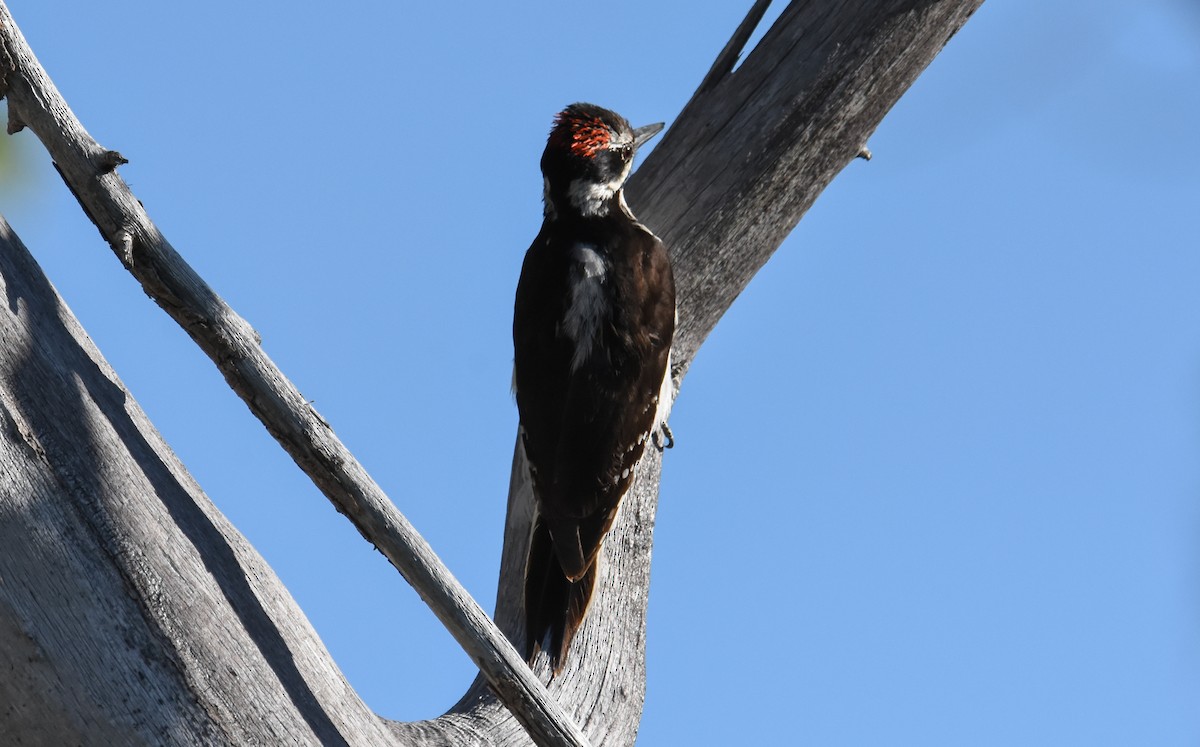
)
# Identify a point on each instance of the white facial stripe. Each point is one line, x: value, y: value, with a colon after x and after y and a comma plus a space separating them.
x: 592, y: 199
x: 626, y: 170
x: 587, y: 303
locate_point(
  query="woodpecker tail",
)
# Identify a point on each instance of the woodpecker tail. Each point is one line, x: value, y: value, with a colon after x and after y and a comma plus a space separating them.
x: 554, y: 605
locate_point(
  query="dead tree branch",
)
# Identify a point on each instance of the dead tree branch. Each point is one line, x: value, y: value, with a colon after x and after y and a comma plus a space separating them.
x: 89, y: 171
x: 733, y: 175
x: 193, y: 609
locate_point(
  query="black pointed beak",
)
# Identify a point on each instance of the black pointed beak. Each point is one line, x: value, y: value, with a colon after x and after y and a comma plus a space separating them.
x: 644, y: 133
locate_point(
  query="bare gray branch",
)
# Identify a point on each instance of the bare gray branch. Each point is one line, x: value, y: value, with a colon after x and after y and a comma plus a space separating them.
x: 185, y: 636
x: 89, y: 171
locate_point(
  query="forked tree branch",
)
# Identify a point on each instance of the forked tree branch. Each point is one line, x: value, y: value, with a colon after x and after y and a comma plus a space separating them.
x: 733, y: 175
x: 90, y: 172
x: 728, y: 57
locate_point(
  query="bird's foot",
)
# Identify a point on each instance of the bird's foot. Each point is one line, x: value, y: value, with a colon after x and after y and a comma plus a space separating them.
x: 666, y: 440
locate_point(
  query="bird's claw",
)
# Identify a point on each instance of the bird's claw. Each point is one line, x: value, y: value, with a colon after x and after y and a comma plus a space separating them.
x: 659, y: 443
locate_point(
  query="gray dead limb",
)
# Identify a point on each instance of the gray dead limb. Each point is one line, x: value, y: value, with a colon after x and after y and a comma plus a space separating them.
x: 227, y: 654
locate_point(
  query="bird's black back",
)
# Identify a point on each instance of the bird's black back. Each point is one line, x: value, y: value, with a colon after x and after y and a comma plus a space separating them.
x: 586, y: 420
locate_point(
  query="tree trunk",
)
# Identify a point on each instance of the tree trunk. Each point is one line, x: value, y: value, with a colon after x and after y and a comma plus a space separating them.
x: 132, y: 612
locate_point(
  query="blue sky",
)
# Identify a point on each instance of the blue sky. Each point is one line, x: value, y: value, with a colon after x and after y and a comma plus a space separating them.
x: 937, y: 470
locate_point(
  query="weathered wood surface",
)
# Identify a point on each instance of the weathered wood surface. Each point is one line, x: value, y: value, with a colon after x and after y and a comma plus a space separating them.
x: 89, y: 170
x: 731, y: 178
x: 117, y: 575
x: 131, y: 612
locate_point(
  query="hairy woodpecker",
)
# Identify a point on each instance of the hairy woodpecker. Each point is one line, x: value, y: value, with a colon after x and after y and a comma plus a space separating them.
x: 592, y: 330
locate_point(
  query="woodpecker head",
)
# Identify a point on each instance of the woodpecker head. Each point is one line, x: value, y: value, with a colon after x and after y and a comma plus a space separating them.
x: 588, y: 157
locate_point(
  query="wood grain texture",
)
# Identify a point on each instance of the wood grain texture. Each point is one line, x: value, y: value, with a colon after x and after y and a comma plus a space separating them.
x: 88, y: 170
x: 733, y: 175
x: 131, y: 612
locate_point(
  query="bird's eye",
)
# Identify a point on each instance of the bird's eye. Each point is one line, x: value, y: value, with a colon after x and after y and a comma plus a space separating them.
x: 625, y: 152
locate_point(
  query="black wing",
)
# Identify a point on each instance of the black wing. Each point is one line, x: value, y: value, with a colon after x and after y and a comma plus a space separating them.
x: 585, y: 423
